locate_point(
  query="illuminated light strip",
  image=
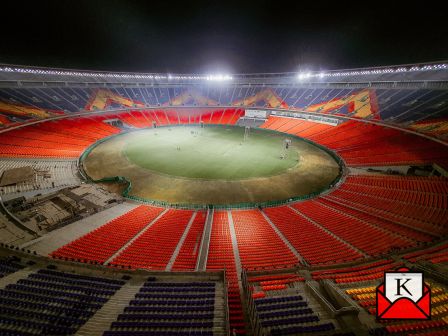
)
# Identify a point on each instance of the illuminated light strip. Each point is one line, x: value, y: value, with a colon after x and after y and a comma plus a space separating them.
x: 306, y: 75
x: 220, y: 77
x: 212, y: 77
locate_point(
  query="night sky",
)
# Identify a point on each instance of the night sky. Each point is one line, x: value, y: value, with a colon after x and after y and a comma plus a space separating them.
x: 214, y: 36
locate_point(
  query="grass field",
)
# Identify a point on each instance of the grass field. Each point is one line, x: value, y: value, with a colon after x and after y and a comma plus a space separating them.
x: 214, y: 166
x: 210, y: 153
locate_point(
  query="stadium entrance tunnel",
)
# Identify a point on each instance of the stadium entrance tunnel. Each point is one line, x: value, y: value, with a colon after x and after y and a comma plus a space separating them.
x: 223, y: 166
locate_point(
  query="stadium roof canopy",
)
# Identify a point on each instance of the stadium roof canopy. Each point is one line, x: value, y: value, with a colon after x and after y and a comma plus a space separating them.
x: 431, y: 75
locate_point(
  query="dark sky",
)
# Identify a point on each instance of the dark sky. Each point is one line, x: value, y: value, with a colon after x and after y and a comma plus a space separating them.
x: 215, y: 36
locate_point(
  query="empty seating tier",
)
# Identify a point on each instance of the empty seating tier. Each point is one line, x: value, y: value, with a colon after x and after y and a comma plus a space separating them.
x: 159, y: 308
x: 361, y: 144
x: 289, y: 311
x: 361, y: 273
x: 100, y: 244
x: 302, y: 234
x: 66, y: 138
x: 436, y: 254
x: 352, y: 230
x: 50, y: 302
x: 423, y: 206
x: 403, y: 230
x: 154, y: 247
x: 260, y: 285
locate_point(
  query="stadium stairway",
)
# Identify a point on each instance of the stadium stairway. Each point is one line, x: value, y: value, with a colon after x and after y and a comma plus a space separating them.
x: 222, y: 256
x: 108, y: 313
x: 238, y: 325
x: 169, y: 266
x: 12, y: 278
x: 258, y: 243
x: 205, y: 242
x: 234, y: 241
x: 190, y: 249
x: 283, y: 238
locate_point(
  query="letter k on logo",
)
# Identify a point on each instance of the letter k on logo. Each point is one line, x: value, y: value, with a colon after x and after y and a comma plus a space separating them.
x: 400, y: 286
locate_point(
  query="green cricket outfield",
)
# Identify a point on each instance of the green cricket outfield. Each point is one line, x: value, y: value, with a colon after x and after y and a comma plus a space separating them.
x: 212, y: 165
x: 211, y: 153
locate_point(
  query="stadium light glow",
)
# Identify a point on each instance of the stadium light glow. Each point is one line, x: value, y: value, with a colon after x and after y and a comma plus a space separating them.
x: 218, y: 77
x: 304, y: 75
